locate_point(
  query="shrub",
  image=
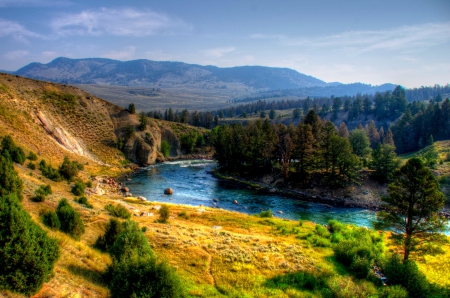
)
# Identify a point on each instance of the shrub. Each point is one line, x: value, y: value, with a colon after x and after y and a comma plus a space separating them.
x: 78, y: 188
x: 164, y: 214
x: 135, y: 272
x: 113, y: 229
x: 360, y: 266
x: 88, y: 184
x: 31, y: 166
x: 165, y: 148
x: 32, y: 156
x: 84, y: 201
x: 9, y: 180
x: 395, y: 291
x: 16, y: 153
x: 266, y: 213
x: 71, y: 222
x: 27, y: 254
x: 184, y: 214
x: 69, y: 169
x: 49, y: 172
x: 118, y: 211
x: 407, y: 275
x: 41, y: 193
x: 51, y: 220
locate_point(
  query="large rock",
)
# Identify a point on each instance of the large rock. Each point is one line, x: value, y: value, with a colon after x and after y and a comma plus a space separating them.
x: 168, y: 191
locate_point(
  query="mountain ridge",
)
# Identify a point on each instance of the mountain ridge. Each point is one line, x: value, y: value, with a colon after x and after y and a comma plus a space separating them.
x: 143, y: 72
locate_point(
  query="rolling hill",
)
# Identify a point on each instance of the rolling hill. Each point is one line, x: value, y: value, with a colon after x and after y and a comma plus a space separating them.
x: 146, y: 72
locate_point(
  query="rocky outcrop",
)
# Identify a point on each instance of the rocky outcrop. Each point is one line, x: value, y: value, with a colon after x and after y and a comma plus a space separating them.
x: 138, y: 150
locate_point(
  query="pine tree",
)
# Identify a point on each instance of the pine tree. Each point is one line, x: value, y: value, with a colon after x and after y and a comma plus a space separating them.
x: 27, y: 254
x: 303, y: 150
x: 384, y: 162
x: 343, y: 131
x: 412, y: 209
x: 132, y: 108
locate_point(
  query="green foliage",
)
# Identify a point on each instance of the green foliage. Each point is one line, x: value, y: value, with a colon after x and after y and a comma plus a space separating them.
x: 78, y: 188
x: 49, y: 172
x: 266, y: 213
x: 31, y: 166
x: 412, y: 209
x: 360, y: 142
x: 165, y: 148
x: 118, y: 211
x: 132, y: 108
x: 16, y: 153
x: 356, y: 248
x: 51, y: 220
x: 136, y: 272
x: 88, y: 183
x: 184, y: 214
x: 143, y: 121
x: 384, y: 162
x: 430, y: 156
x: 64, y: 101
x: 32, y: 156
x: 9, y: 180
x: 27, y: 254
x: 188, y: 141
x: 84, y: 201
x: 296, y: 113
x: 164, y: 214
x: 42, y: 192
x: 113, y: 229
x: 272, y: 114
x: 70, y: 220
x: 407, y: 275
x: 69, y: 169
x: 394, y: 291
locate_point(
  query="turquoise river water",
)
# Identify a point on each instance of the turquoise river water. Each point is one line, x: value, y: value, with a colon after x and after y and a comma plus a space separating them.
x: 193, y: 184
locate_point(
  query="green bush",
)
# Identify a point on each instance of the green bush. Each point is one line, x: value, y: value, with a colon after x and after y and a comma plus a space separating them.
x: 135, y: 272
x: 360, y: 266
x: 118, y: 211
x: 71, y: 222
x: 395, y: 291
x: 406, y: 274
x: 51, y: 220
x: 31, y: 166
x: 16, y: 153
x: 266, y: 213
x: 88, y: 184
x: 164, y: 214
x: 32, y: 156
x: 165, y: 148
x: 78, y: 188
x: 69, y: 169
x: 27, y: 254
x: 41, y: 193
x: 113, y: 229
x: 84, y: 201
x: 9, y: 180
x: 184, y: 214
x: 49, y: 172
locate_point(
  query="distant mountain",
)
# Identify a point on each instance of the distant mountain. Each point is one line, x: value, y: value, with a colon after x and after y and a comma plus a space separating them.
x: 146, y: 72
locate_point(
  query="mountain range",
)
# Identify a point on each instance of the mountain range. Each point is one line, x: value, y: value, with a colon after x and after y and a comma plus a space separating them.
x: 147, y: 72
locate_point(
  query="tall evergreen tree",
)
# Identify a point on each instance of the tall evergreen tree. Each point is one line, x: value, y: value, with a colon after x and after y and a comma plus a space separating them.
x: 412, y: 209
x: 303, y: 150
x: 384, y: 162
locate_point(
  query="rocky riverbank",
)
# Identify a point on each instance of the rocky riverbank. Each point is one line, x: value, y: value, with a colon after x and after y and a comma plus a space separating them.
x: 367, y: 195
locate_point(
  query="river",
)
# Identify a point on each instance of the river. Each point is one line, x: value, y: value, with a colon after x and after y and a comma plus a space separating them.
x: 193, y: 184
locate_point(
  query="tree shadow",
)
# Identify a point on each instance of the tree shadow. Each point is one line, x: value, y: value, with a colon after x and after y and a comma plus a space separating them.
x: 94, y: 276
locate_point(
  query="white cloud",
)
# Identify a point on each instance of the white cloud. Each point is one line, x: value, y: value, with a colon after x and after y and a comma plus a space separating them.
x: 126, y: 54
x: 218, y: 52
x: 15, y: 55
x: 412, y: 38
x: 15, y: 30
x: 119, y: 22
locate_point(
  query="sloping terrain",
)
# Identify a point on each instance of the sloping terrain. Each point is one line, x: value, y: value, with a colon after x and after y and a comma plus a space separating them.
x: 147, y: 72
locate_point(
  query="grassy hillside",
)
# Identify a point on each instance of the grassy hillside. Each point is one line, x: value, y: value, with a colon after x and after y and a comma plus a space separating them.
x: 217, y: 253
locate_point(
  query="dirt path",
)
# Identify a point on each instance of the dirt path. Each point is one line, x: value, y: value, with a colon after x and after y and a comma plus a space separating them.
x: 209, y: 269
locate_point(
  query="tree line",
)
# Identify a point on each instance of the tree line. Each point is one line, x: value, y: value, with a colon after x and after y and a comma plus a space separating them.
x: 313, y: 150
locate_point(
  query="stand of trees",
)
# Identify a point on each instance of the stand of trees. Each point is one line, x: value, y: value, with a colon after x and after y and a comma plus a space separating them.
x: 27, y: 254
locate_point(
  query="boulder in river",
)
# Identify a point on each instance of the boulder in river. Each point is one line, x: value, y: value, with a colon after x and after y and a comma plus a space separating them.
x: 125, y: 189
x: 235, y: 202
x: 168, y: 191
x: 141, y: 198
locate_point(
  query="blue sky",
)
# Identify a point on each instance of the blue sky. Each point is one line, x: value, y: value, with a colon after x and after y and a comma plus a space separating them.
x: 402, y: 42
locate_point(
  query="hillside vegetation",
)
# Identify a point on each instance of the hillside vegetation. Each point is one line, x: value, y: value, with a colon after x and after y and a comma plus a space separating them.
x: 205, y: 251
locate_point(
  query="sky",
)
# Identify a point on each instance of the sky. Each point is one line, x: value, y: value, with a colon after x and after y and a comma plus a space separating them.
x: 374, y: 42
